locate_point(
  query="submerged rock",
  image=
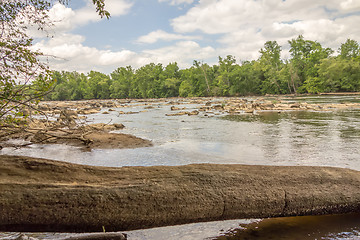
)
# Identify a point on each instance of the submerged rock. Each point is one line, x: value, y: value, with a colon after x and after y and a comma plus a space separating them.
x: 195, y: 112
x: 176, y: 114
x: 173, y: 108
x: 87, y: 111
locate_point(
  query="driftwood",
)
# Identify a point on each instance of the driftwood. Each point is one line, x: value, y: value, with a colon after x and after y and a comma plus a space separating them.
x: 65, y: 129
x: 49, y: 134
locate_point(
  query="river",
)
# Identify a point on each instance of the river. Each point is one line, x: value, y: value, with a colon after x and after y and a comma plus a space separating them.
x: 291, y: 138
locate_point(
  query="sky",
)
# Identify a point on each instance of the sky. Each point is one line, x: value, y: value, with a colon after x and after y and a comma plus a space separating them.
x: 165, y: 31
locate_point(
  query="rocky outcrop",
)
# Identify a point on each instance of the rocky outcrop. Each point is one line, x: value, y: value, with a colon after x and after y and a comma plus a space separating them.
x: 44, y: 195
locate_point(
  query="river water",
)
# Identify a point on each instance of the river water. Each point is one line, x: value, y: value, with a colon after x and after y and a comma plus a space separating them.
x: 294, y: 138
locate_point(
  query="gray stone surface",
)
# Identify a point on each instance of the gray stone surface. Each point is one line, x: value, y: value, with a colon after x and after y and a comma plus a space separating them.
x: 44, y: 195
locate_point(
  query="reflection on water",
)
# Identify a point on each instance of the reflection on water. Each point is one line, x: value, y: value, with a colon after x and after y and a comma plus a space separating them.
x: 268, y: 138
x: 308, y: 138
x: 304, y: 228
x: 324, y: 99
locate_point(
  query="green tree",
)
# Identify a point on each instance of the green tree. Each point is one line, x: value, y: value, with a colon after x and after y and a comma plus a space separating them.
x: 78, y: 85
x: 199, y: 77
x: 349, y: 50
x: 224, y: 76
x: 185, y: 89
x: 336, y: 75
x: 306, y: 55
x: 24, y: 79
x: 285, y: 78
x: 61, y: 90
x: 270, y: 64
x: 70, y: 86
x: 99, y: 85
x: 19, y: 66
x: 246, y: 79
x: 148, y: 83
x: 171, y: 80
x: 121, y: 86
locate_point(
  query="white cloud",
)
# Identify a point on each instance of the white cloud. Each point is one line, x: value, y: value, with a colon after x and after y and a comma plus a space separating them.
x: 118, y: 7
x: 223, y: 16
x: 62, y: 17
x: 183, y: 53
x: 162, y: 35
x: 178, y: 2
x: 244, y: 26
x: 237, y: 27
x: 66, y: 19
x: 243, y: 44
x: 88, y: 13
x: 67, y: 52
x: 350, y: 5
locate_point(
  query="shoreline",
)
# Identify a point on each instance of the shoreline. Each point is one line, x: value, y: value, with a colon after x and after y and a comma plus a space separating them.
x: 126, y: 100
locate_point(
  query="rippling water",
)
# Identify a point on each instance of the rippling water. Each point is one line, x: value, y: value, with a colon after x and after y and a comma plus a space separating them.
x: 267, y: 138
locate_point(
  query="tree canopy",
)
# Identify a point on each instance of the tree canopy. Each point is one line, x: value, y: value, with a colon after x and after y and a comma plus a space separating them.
x: 24, y: 79
x: 310, y: 69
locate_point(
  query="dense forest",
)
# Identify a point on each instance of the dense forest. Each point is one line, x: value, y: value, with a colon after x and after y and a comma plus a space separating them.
x: 310, y: 69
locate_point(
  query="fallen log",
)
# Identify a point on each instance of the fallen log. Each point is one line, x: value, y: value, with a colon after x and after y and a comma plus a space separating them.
x: 45, y: 195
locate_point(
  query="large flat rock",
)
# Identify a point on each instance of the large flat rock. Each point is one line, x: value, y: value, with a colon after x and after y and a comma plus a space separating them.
x: 44, y: 195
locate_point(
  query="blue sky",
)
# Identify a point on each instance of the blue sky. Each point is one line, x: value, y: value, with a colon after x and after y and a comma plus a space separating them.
x: 122, y: 31
x: 164, y: 31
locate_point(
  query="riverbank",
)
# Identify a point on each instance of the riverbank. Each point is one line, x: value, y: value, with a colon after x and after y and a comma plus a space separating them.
x: 44, y: 195
x: 81, y: 110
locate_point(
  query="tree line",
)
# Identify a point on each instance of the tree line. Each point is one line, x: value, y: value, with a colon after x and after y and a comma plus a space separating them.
x: 311, y: 68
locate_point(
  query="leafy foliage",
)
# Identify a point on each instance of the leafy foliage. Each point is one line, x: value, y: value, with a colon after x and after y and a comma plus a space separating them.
x: 24, y: 78
x: 350, y: 49
x: 19, y: 65
x: 311, y: 69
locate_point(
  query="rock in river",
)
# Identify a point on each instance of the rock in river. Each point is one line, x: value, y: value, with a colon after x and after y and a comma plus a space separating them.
x: 44, y: 195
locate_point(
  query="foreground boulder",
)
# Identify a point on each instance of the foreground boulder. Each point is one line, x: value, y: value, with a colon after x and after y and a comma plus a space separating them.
x: 44, y: 195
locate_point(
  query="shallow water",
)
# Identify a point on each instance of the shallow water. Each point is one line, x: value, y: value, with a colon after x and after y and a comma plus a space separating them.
x: 267, y: 138
x: 304, y: 228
